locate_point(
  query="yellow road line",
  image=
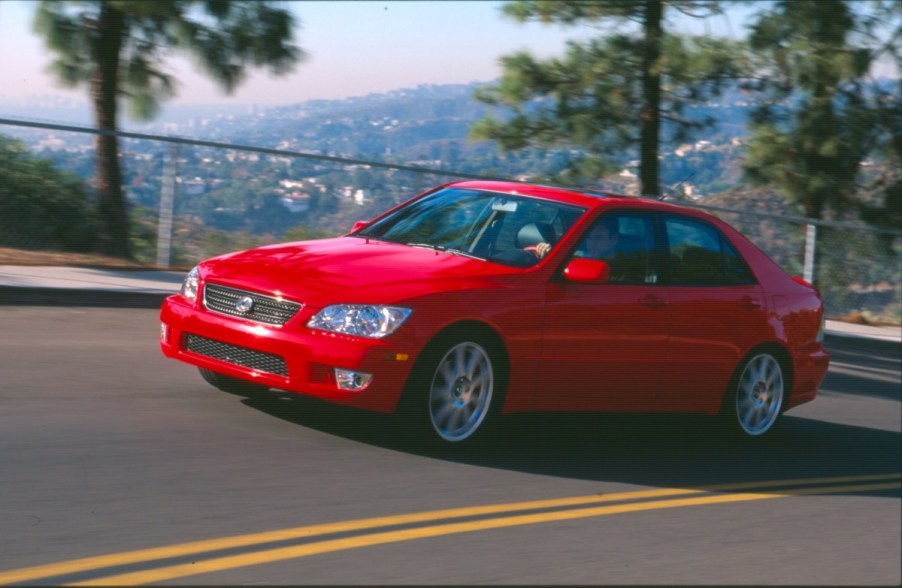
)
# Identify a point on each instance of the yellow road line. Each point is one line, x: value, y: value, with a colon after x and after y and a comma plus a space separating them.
x: 196, y: 547
x: 118, y: 559
x: 269, y: 556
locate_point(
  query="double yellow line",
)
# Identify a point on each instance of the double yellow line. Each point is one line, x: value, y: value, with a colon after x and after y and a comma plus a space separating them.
x: 391, y: 529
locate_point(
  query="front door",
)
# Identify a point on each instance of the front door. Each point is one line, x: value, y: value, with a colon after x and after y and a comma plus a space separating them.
x: 604, y: 345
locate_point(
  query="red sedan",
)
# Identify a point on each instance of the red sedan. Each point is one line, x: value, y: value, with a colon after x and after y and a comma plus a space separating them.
x: 476, y: 299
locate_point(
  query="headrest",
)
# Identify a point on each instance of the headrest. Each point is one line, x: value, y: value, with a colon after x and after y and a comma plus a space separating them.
x: 531, y: 234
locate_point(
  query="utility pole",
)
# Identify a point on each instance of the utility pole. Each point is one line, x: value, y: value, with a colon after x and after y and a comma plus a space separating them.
x: 167, y: 199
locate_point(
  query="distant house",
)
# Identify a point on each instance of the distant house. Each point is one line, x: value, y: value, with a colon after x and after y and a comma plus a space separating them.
x: 682, y: 150
x: 193, y: 187
x: 359, y: 195
x: 296, y: 202
x: 291, y: 184
x: 51, y: 143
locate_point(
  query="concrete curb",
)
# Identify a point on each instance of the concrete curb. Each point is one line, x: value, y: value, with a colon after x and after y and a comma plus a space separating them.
x: 30, y: 296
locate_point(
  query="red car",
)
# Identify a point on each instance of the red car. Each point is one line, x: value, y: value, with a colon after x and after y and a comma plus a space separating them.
x: 481, y: 298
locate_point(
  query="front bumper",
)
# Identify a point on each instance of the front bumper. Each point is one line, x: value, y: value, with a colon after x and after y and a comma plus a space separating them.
x: 289, y: 357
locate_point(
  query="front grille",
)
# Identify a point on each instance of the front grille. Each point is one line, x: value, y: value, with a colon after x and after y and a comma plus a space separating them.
x: 249, y: 358
x: 265, y: 309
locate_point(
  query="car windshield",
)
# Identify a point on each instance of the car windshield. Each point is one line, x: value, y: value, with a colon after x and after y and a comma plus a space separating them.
x: 501, y: 228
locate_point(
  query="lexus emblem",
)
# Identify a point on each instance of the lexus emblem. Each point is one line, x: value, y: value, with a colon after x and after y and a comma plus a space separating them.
x: 244, y: 304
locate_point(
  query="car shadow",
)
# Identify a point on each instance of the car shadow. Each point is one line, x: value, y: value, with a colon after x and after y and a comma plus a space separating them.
x: 672, y: 450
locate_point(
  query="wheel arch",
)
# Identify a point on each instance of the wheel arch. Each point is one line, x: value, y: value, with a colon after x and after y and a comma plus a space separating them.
x: 475, y: 330
x: 781, y: 354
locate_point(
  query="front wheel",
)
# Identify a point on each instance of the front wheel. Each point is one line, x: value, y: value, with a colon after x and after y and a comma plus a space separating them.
x: 230, y: 384
x: 758, y: 395
x: 455, y: 395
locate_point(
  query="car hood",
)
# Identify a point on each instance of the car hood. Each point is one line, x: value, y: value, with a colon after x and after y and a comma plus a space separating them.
x: 352, y: 270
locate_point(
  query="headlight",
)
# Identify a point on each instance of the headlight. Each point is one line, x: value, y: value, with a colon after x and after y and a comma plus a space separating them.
x: 363, y: 320
x: 189, y: 286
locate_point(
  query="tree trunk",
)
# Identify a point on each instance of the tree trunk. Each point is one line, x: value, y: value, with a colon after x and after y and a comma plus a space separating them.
x: 114, y: 229
x: 650, y: 114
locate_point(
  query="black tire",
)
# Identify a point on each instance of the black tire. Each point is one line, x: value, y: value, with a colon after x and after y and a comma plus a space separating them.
x: 455, y: 393
x: 756, y: 397
x: 230, y: 384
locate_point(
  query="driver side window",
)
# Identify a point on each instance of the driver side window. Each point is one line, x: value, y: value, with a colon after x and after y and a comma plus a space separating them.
x: 626, y: 242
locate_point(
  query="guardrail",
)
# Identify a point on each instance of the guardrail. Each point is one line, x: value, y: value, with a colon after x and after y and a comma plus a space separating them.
x: 194, y: 198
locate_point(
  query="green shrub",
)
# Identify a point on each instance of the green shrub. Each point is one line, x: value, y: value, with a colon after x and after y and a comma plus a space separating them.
x: 41, y: 207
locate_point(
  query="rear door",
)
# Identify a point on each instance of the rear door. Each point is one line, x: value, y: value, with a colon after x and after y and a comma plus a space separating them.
x: 717, y: 311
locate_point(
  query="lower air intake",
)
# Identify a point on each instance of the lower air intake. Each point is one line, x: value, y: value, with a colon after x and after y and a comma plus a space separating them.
x: 248, y: 358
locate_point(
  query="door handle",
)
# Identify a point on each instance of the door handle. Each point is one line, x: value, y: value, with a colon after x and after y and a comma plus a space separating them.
x: 749, y: 303
x: 652, y: 301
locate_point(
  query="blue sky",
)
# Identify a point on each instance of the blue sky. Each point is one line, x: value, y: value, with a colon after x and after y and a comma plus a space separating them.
x: 353, y: 47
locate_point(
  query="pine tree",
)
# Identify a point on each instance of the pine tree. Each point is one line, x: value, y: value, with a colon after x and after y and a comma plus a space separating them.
x: 821, y: 115
x: 609, y: 96
x: 117, y: 48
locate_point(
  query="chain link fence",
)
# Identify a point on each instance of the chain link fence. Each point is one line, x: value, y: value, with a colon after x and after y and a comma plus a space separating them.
x: 193, y: 199
x: 858, y: 269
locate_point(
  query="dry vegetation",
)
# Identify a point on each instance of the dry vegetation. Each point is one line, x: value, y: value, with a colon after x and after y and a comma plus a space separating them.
x: 56, y: 258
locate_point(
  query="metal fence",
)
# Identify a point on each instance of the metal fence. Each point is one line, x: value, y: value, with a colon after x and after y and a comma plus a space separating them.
x: 193, y: 199
x: 858, y: 269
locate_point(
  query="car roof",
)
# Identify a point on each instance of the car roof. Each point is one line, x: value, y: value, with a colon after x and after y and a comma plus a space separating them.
x: 587, y: 198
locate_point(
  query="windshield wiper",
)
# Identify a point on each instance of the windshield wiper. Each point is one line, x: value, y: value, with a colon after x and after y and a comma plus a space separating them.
x: 445, y: 249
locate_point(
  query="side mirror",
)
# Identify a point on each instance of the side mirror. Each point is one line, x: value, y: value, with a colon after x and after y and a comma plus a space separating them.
x: 359, y: 226
x: 587, y: 271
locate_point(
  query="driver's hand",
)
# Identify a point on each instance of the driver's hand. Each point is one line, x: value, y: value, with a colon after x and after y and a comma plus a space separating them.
x: 542, y: 249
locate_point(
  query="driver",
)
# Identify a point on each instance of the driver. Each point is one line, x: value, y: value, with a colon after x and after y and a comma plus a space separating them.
x: 599, y: 243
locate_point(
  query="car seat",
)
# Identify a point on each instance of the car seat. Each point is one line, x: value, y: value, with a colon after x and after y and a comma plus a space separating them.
x: 531, y: 234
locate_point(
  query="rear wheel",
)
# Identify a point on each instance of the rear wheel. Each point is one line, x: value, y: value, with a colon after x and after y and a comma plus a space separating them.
x: 230, y: 384
x: 758, y: 394
x: 455, y: 393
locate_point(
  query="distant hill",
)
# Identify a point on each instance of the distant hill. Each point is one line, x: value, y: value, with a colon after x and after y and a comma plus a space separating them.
x: 429, y: 126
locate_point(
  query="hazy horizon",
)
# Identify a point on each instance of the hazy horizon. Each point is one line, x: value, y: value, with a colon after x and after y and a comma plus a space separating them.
x: 353, y: 49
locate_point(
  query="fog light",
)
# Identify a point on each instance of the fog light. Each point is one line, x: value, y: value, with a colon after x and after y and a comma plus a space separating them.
x: 164, y: 333
x: 351, y: 380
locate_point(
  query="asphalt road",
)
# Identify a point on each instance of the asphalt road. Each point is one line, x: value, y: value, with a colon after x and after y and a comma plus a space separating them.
x: 120, y: 466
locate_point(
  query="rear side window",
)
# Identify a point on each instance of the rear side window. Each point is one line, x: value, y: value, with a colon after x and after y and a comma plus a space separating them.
x: 701, y: 256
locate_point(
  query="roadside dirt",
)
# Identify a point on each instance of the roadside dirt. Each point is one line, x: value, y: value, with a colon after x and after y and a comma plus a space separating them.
x: 56, y: 258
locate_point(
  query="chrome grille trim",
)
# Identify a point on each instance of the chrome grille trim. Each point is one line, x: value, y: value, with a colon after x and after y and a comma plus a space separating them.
x: 242, y: 356
x: 266, y: 309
